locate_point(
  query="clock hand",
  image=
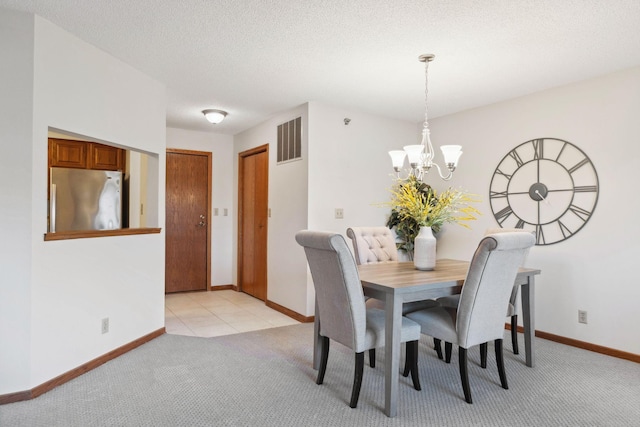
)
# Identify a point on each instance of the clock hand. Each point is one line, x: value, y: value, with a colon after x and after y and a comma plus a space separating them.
x: 543, y: 198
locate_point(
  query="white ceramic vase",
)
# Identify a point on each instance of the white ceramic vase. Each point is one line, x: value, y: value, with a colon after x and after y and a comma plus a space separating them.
x: 424, y: 250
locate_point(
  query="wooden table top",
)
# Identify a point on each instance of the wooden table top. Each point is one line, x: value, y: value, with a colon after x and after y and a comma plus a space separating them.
x: 401, y: 275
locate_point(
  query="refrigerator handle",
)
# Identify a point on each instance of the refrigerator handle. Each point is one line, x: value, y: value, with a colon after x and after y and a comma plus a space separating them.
x: 52, y: 213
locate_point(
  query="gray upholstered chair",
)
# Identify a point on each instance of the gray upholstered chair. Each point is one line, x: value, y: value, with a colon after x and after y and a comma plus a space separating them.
x: 374, y: 245
x: 342, y: 312
x: 479, y: 317
x: 512, y: 311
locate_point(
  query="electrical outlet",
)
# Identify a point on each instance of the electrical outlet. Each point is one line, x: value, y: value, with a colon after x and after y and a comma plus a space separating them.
x: 215, y: 211
x: 582, y: 316
x: 339, y: 213
x: 225, y: 212
x: 105, y: 325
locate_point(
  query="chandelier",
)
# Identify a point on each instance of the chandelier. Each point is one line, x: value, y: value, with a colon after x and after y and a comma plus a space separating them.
x: 421, y: 156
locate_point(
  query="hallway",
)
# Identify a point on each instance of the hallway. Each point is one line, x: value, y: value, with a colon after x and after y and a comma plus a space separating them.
x: 215, y: 313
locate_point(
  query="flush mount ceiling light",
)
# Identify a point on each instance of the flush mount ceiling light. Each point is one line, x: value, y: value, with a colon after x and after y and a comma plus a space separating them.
x: 214, y: 116
x: 421, y: 156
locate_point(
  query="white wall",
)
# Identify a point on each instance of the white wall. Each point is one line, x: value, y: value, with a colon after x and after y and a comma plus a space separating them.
x: 16, y: 106
x: 350, y: 168
x: 72, y: 284
x: 286, y: 265
x: 221, y: 147
x: 594, y: 269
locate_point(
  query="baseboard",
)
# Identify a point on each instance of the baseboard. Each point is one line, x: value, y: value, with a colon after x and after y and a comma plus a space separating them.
x: 15, y: 397
x: 223, y: 288
x: 68, y: 376
x: 284, y: 310
x: 583, y: 345
x: 277, y: 307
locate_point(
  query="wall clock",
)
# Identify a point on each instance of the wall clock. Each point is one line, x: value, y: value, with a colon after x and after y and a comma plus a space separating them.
x: 548, y: 185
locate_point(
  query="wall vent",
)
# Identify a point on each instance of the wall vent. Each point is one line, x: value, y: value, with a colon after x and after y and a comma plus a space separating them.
x: 290, y: 141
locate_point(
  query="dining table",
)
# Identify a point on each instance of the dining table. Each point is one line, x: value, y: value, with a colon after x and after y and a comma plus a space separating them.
x: 397, y: 283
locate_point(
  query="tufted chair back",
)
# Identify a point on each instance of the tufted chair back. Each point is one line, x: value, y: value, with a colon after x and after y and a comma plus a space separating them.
x: 372, y: 245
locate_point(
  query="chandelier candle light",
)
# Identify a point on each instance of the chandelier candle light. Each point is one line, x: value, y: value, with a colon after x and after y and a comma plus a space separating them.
x: 421, y: 156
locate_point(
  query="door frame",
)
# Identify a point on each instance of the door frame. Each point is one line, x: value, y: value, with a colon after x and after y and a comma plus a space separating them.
x: 256, y: 150
x: 209, y: 157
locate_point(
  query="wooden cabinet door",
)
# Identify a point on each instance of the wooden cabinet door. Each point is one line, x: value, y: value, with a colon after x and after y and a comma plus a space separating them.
x: 104, y: 157
x: 68, y: 154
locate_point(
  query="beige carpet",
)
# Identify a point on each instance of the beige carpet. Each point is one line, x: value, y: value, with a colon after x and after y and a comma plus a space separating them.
x: 264, y: 378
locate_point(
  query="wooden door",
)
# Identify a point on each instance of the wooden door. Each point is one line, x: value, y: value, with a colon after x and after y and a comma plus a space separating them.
x: 188, y: 213
x: 253, y: 185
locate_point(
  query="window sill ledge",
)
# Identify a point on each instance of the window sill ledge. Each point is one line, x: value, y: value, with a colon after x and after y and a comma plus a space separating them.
x: 66, y: 235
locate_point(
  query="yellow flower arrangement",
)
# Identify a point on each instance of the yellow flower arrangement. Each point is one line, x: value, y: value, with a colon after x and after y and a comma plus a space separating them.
x: 415, y: 204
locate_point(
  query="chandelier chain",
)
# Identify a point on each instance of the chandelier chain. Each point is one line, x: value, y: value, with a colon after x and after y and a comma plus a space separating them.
x: 426, y: 95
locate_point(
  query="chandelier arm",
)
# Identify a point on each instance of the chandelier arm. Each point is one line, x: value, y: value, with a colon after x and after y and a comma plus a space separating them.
x: 408, y: 171
x: 444, y: 178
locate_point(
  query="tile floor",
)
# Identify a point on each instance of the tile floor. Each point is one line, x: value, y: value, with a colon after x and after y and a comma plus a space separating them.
x: 215, y: 313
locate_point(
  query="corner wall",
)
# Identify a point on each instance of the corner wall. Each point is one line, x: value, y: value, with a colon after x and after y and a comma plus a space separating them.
x: 286, y: 263
x: 342, y: 166
x: 350, y: 168
x: 62, y: 289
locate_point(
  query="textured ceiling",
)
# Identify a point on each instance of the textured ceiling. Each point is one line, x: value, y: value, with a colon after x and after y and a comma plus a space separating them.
x: 255, y: 58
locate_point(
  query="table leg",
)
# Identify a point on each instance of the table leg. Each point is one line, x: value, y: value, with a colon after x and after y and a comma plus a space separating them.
x: 393, y: 323
x: 316, y: 338
x: 528, y: 318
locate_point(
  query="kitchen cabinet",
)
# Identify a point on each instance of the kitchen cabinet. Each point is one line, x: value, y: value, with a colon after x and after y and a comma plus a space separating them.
x: 85, y: 155
x: 68, y: 154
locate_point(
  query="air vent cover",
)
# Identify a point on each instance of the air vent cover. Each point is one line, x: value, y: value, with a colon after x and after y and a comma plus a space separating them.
x: 290, y: 140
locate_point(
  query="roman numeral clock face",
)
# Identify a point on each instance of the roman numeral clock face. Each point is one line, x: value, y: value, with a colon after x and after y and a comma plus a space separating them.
x: 547, y: 185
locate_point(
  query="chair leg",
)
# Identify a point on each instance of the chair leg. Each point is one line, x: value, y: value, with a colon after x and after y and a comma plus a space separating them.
x: 357, y: 379
x: 437, y: 347
x: 324, y: 355
x: 412, y: 350
x: 407, y: 362
x: 500, y: 361
x: 464, y: 374
x: 447, y: 352
x: 372, y: 357
x: 483, y: 355
x: 514, y: 333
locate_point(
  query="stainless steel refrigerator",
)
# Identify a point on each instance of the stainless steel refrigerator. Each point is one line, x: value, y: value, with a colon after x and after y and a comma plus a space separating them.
x: 83, y: 199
